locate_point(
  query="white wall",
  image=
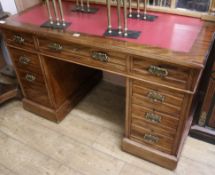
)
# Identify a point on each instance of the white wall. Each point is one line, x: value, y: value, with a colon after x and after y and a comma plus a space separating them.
x: 9, y: 6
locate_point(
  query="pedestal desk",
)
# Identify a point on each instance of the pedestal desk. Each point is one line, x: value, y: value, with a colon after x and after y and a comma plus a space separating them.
x: 56, y: 68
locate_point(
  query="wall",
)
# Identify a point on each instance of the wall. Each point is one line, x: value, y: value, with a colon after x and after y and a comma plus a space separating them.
x: 24, y: 4
x: 9, y: 6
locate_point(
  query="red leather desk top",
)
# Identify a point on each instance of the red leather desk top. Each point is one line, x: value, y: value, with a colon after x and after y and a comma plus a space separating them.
x: 168, y: 31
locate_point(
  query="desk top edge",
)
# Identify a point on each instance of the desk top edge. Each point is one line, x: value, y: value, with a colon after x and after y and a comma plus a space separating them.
x: 195, y: 58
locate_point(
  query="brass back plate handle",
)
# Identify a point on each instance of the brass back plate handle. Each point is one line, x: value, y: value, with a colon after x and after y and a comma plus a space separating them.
x: 24, y: 60
x: 151, y: 138
x: 152, y: 117
x: 55, y: 47
x: 158, y: 71
x: 100, y: 56
x: 156, y: 97
x: 18, y: 39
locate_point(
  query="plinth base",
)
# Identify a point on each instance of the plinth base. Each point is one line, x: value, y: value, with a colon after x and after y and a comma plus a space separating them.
x: 145, y: 17
x: 55, y: 26
x: 84, y: 9
x: 150, y: 154
x: 130, y: 34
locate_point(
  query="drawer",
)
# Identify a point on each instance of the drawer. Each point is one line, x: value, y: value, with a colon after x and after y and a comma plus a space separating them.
x: 25, y: 60
x: 161, y: 72
x: 145, y: 116
x: 151, y: 138
x: 83, y: 54
x: 155, y: 97
x: 136, y: 121
x: 21, y: 40
x: 34, y: 87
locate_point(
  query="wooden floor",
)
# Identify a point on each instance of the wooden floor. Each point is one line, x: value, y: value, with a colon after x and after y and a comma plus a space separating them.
x: 87, y: 142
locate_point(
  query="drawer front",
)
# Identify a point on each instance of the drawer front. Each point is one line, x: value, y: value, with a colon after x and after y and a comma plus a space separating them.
x: 25, y: 60
x: 157, y: 98
x: 34, y: 87
x: 162, y: 73
x: 21, y: 40
x: 151, y: 138
x: 145, y: 116
x: 83, y: 54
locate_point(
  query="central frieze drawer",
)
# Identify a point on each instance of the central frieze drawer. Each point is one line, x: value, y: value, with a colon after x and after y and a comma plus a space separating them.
x: 160, y: 72
x: 83, y: 54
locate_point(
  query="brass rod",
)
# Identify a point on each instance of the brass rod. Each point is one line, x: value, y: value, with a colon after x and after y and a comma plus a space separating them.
x: 56, y: 12
x: 119, y: 16
x: 125, y: 18
x: 130, y: 8
x: 61, y: 12
x: 82, y: 5
x: 88, y: 5
x: 145, y: 13
x: 138, y: 8
x: 49, y: 12
x: 109, y: 16
x: 77, y: 3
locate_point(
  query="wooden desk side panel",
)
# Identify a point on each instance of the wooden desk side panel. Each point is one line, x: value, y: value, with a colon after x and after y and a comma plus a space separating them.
x: 64, y: 79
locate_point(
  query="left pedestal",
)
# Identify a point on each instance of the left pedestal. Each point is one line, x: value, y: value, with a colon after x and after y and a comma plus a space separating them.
x: 51, y: 87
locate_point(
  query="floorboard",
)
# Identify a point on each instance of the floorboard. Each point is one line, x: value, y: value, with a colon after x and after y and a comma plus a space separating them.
x: 87, y: 142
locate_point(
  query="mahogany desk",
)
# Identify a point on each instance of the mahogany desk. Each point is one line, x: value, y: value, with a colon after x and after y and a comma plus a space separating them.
x: 162, y: 68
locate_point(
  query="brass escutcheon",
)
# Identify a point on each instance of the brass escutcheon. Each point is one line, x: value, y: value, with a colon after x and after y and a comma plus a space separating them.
x: 30, y: 77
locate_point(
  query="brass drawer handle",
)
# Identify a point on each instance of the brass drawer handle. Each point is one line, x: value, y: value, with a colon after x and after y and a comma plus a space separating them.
x: 30, y: 78
x: 156, y: 97
x: 55, y: 47
x: 152, y: 117
x: 18, y: 39
x: 24, y: 60
x: 151, y: 138
x: 158, y: 71
x: 100, y: 56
